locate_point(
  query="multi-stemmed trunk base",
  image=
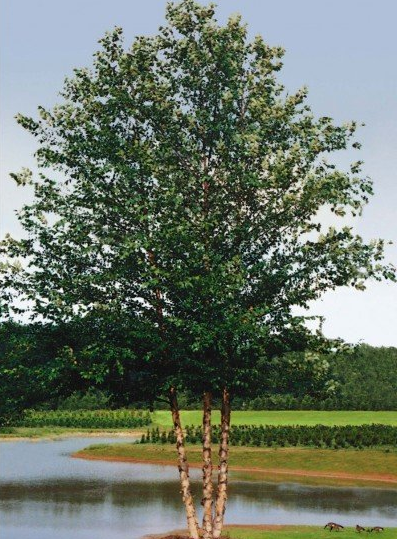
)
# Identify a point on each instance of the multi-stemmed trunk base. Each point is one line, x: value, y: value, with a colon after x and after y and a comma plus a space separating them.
x: 213, y: 514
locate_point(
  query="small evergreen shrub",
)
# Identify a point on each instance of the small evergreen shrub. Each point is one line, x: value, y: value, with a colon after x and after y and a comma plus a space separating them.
x: 86, y: 419
x: 343, y: 436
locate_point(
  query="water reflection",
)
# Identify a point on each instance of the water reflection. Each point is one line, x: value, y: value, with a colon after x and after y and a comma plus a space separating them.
x: 44, y: 493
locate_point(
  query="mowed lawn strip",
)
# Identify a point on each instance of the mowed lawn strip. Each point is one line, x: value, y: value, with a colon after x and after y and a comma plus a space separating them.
x: 162, y: 418
x: 332, y: 461
x: 296, y: 532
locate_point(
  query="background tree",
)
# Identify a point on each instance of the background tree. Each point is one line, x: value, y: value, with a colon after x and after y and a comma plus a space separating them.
x: 35, y: 363
x: 41, y: 364
x: 182, y: 186
x: 367, y: 378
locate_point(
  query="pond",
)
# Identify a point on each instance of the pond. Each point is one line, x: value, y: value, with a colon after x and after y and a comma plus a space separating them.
x: 45, y: 494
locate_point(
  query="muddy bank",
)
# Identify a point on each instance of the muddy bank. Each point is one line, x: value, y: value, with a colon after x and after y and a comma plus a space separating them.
x: 183, y: 534
x: 260, y: 472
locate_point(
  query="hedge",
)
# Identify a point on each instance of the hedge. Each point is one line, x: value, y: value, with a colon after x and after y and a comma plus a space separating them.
x: 358, y: 436
x: 86, y: 419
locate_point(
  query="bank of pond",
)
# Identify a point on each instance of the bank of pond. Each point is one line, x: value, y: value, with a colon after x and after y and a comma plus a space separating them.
x: 310, y: 466
x: 287, y: 532
x: 44, y: 493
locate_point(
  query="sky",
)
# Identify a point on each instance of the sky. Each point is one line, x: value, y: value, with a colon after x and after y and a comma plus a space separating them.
x: 345, y: 52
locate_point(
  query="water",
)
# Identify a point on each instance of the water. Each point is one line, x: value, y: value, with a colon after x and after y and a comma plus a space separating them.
x: 45, y: 494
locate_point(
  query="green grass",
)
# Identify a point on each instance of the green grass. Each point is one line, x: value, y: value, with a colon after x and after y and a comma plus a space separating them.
x: 299, y: 532
x: 162, y: 418
x: 329, y: 461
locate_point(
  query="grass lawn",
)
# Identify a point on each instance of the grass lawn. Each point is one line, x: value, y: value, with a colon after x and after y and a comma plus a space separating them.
x: 311, y: 466
x: 297, y: 532
x: 162, y: 418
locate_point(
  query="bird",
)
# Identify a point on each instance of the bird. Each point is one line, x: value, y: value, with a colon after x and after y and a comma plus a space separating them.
x: 359, y: 528
x: 334, y: 526
x: 329, y: 524
x: 377, y: 529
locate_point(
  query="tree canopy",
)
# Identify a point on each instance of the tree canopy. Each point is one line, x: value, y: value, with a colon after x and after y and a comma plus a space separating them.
x: 182, y: 186
x: 182, y: 190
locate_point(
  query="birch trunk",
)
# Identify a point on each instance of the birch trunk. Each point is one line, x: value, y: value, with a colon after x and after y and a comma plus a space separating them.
x: 221, y: 494
x: 183, y: 468
x: 207, y: 500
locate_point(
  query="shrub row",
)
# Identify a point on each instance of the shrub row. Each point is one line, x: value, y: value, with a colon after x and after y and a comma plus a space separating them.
x: 358, y: 436
x: 290, y: 402
x: 287, y: 402
x: 86, y: 419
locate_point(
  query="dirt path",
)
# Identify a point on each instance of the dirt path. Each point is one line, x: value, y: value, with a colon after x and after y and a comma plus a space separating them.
x: 384, y: 478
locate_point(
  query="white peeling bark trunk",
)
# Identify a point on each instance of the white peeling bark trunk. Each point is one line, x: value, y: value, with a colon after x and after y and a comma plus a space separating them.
x: 221, y: 494
x: 183, y: 468
x: 207, y: 500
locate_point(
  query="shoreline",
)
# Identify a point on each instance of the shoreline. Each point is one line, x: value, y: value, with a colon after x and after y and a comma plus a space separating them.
x: 185, y: 532
x: 272, y: 531
x: 71, y: 434
x: 373, y: 478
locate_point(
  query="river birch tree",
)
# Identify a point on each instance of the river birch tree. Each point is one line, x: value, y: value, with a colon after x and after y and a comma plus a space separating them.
x: 179, y: 183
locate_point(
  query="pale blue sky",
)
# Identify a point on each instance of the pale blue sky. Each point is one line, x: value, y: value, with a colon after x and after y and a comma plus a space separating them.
x: 344, y: 50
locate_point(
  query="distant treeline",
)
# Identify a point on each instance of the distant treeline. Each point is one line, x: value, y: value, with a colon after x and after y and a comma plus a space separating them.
x: 363, y: 379
x: 56, y: 367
